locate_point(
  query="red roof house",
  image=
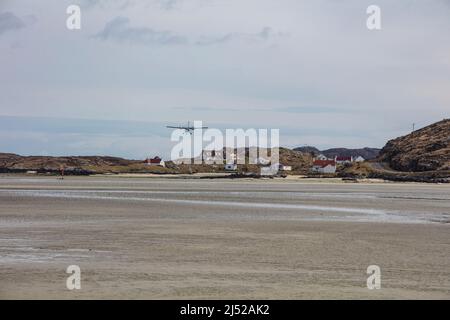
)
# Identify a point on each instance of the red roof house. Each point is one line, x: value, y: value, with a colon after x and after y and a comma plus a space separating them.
x: 156, y: 161
x: 324, y: 166
x: 343, y: 159
x: 324, y: 163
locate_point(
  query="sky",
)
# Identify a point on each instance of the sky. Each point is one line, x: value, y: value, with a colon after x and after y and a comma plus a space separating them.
x: 311, y: 69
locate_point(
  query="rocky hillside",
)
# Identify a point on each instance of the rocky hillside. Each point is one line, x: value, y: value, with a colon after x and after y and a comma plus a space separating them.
x: 300, y: 162
x: 366, y: 153
x: 72, y: 165
x: 308, y: 149
x: 426, y: 149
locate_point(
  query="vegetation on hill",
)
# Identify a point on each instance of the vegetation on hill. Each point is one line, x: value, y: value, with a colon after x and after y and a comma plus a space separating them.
x: 426, y: 149
x: 84, y: 165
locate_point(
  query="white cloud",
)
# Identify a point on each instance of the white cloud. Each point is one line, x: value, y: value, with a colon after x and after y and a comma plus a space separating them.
x: 119, y: 29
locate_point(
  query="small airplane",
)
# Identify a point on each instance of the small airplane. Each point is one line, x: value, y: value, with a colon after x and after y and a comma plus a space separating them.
x: 189, y: 129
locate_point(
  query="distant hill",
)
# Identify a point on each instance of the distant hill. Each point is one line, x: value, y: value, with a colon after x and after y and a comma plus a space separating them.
x: 72, y: 164
x: 426, y: 149
x: 309, y: 150
x: 85, y: 165
x: 366, y: 153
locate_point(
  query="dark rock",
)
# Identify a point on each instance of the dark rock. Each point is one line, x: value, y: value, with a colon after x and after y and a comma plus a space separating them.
x: 426, y: 149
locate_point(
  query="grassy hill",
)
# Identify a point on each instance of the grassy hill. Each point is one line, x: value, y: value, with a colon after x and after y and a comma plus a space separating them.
x: 73, y: 165
x: 84, y: 165
x: 426, y: 149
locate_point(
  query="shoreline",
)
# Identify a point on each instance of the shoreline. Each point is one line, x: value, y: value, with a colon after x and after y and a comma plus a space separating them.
x: 226, y: 177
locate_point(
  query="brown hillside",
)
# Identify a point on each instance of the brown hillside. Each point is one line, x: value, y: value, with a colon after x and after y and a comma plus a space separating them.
x: 426, y: 149
x: 73, y: 164
x: 104, y: 164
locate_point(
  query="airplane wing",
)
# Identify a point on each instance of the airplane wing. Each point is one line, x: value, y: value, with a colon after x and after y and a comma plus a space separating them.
x: 186, y: 128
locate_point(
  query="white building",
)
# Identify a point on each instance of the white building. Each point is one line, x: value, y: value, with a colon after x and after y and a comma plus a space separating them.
x: 324, y: 166
x: 342, y: 160
x: 321, y: 157
x: 156, y: 161
x: 359, y: 159
x: 284, y: 168
x: 269, y: 170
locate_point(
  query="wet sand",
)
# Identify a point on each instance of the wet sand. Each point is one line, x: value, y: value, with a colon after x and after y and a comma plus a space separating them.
x: 155, y: 238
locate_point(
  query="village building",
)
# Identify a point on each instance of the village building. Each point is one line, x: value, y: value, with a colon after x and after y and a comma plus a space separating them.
x: 156, y: 161
x: 324, y: 166
x: 359, y: 159
x: 321, y: 157
x: 269, y: 170
x: 342, y: 160
x: 282, y: 167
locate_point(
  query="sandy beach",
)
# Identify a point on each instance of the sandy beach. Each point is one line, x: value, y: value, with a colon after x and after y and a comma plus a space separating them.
x: 156, y: 238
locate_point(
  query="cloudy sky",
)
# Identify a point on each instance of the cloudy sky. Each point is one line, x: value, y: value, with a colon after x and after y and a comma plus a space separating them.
x: 310, y: 68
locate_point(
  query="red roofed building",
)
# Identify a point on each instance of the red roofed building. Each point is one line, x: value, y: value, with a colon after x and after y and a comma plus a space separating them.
x: 156, y: 161
x: 324, y: 166
x: 341, y: 160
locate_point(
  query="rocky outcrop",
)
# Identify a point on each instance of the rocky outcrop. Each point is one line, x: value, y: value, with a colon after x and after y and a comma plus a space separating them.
x: 426, y: 149
x: 13, y: 163
x: 300, y: 162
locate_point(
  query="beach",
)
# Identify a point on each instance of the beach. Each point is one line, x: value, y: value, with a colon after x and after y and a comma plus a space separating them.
x: 168, y: 238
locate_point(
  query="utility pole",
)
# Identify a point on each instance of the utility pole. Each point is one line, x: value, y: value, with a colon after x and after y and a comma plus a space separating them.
x: 413, y: 127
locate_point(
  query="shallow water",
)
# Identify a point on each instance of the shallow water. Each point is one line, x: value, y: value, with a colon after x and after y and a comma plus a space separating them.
x: 359, y: 205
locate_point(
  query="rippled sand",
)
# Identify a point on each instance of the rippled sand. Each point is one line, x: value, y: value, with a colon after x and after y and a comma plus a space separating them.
x: 168, y: 238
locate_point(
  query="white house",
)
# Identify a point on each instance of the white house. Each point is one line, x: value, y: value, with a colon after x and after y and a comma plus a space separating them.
x: 321, y: 157
x: 269, y: 170
x: 281, y: 167
x: 324, y: 166
x: 156, y: 161
x: 359, y: 159
x: 284, y: 168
